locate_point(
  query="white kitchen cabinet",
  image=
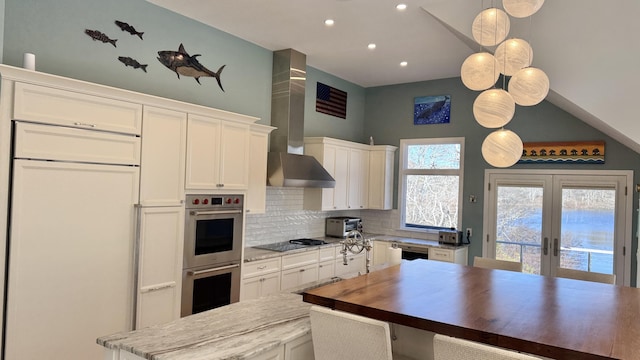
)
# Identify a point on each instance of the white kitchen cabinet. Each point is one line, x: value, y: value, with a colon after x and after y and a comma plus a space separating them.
x: 327, y: 263
x: 380, y: 252
x: 260, y: 278
x: 348, y: 164
x: 298, y: 269
x: 71, y: 257
x: 46, y: 142
x: 381, y: 167
x: 164, y: 138
x: 358, y: 179
x: 217, y: 154
x: 160, y: 242
x: 258, y: 149
x: 356, y: 264
x: 299, y: 349
x: 459, y: 255
x: 61, y: 107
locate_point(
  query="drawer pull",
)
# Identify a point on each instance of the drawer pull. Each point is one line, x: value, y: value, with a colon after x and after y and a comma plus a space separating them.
x: 84, y: 124
x: 262, y: 267
x: 158, y: 287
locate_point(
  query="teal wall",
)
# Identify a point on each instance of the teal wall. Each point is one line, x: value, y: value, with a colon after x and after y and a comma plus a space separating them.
x: 389, y: 118
x: 54, y: 32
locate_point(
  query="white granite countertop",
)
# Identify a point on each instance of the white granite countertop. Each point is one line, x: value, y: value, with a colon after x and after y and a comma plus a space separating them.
x: 237, y: 331
x: 255, y: 254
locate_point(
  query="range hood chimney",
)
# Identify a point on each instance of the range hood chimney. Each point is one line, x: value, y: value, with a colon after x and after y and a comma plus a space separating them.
x: 287, y: 165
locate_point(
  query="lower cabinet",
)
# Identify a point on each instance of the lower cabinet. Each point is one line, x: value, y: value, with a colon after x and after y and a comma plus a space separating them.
x: 298, y: 269
x: 260, y: 278
x: 355, y: 264
x: 299, y: 349
x: 161, y: 238
x: 458, y: 256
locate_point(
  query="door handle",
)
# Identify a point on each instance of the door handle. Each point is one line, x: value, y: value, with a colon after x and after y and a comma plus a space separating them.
x: 545, y: 247
x: 555, y: 247
x: 221, y: 268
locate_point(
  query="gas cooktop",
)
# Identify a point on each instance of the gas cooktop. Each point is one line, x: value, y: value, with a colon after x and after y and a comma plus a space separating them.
x: 291, y: 245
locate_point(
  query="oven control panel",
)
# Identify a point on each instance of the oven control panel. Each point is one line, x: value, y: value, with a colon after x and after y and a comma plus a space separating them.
x: 214, y: 201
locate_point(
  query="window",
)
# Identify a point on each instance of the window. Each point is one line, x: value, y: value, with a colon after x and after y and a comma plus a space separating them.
x: 431, y: 173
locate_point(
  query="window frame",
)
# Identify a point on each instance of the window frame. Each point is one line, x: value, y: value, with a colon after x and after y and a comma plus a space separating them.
x: 403, y: 171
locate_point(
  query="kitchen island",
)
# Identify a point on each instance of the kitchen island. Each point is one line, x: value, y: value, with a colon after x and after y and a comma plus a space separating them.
x: 245, y: 330
x: 553, y: 317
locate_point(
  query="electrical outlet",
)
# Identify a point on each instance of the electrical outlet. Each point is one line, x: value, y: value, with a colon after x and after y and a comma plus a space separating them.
x: 469, y: 232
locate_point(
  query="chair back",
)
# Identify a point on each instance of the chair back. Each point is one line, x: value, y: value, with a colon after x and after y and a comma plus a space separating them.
x: 338, y: 335
x: 448, y: 348
x: 586, y: 275
x: 488, y: 263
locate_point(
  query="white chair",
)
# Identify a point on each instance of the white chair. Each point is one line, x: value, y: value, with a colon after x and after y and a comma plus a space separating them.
x: 339, y: 335
x: 586, y: 275
x: 488, y: 263
x: 449, y: 348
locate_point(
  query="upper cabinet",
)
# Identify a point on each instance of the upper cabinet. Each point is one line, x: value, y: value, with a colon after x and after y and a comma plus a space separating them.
x: 381, y: 165
x: 350, y: 165
x: 258, y: 149
x: 61, y: 107
x: 217, y: 154
x: 164, y: 138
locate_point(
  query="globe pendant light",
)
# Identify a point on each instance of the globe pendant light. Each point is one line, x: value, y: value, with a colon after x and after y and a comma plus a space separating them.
x: 529, y: 86
x: 502, y: 148
x: 490, y: 27
x: 494, y: 108
x: 479, y: 71
x: 522, y: 8
x: 513, y: 55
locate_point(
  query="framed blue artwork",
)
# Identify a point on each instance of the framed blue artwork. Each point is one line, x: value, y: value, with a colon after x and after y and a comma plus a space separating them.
x: 432, y: 110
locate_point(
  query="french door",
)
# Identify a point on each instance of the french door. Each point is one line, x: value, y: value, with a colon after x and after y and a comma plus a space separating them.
x: 571, y: 219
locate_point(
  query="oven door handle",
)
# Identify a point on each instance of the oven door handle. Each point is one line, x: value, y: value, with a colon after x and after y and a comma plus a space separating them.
x: 221, y: 268
x: 197, y: 213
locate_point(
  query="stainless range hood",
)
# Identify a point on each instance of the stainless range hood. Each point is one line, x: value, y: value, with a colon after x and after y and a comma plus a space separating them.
x: 287, y: 165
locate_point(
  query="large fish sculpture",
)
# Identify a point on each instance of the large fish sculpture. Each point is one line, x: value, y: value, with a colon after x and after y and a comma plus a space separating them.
x: 184, y: 64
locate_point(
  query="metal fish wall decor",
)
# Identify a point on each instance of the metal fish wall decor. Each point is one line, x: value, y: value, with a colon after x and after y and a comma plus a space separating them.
x: 128, y: 28
x: 184, y: 64
x: 97, y: 35
x: 127, y: 61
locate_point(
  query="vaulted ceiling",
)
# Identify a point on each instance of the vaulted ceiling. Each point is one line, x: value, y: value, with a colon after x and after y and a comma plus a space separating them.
x: 589, y: 49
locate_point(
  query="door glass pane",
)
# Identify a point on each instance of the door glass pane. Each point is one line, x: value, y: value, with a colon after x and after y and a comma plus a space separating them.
x: 519, y: 226
x: 587, y: 229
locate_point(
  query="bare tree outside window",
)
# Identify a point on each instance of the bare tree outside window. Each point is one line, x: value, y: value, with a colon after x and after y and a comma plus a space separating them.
x: 431, y: 178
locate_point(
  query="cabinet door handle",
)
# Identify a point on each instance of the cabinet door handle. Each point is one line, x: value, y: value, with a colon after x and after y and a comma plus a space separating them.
x: 158, y: 287
x: 84, y: 124
x: 302, y: 270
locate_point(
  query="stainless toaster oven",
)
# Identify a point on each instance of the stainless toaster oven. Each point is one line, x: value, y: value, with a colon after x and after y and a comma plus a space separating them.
x: 341, y: 226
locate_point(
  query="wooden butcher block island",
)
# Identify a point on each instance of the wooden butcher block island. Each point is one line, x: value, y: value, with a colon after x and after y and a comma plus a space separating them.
x: 553, y: 317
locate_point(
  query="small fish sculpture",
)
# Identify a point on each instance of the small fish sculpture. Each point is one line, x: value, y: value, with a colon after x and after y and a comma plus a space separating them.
x: 97, y: 35
x: 184, y: 64
x: 127, y: 61
x: 128, y: 28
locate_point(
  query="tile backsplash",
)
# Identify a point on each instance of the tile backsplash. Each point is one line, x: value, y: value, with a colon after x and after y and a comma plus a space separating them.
x: 285, y: 219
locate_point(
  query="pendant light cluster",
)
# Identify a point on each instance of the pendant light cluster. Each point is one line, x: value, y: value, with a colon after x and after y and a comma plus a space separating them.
x: 528, y: 86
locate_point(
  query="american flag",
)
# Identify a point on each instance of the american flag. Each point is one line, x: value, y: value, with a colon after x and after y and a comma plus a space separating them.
x: 331, y: 101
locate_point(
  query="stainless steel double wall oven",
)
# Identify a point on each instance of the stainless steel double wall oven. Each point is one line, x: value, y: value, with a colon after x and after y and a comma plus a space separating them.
x: 212, y: 252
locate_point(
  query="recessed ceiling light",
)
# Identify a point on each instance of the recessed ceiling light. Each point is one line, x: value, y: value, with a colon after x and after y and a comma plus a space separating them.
x: 329, y: 22
x: 371, y: 46
x: 403, y: 64
x: 401, y: 7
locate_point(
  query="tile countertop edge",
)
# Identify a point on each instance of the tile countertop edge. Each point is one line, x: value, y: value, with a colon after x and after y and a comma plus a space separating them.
x: 255, y: 254
x: 234, y: 331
